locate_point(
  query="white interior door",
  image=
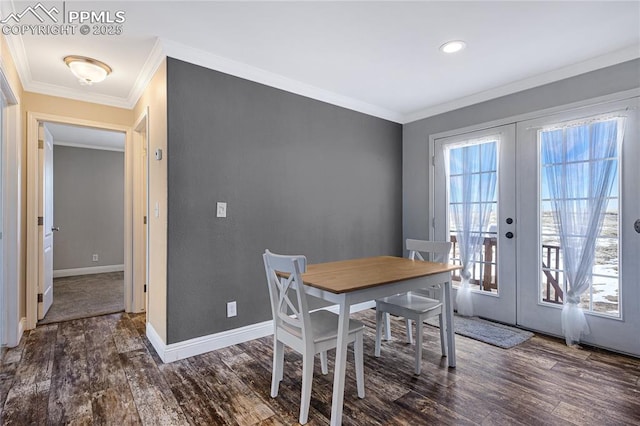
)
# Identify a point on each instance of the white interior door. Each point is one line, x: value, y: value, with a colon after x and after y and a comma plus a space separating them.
x: 611, y: 302
x: 481, y: 158
x: 45, y: 221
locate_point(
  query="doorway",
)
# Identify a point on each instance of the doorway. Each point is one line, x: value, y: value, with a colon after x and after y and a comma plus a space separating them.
x: 132, y: 286
x: 507, y: 177
x: 86, y: 215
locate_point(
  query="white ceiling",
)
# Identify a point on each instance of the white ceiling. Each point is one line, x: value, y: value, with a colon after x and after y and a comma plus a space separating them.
x: 380, y: 58
x: 86, y: 137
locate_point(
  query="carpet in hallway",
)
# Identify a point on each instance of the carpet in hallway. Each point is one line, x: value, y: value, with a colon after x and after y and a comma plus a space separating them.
x: 86, y: 296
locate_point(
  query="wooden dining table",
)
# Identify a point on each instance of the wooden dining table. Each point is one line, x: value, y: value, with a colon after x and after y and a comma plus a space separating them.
x: 349, y: 282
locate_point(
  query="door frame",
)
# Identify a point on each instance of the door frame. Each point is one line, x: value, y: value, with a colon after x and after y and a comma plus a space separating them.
x: 32, y: 262
x: 11, y: 240
x: 140, y: 208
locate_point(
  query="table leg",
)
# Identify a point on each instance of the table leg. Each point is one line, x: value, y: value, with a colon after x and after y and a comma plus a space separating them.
x: 341, y: 363
x: 451, y: 340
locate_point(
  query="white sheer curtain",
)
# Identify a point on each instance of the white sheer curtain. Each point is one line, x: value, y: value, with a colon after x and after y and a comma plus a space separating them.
x: 580, y: 166
x: 472, y: 198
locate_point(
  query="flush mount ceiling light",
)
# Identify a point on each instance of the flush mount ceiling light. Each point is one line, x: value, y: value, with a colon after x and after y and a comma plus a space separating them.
x: 453, y: 46
x: 87, y: 70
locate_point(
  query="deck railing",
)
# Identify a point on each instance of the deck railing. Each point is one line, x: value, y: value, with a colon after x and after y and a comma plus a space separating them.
x: 485, y: 275
x: 550, y: 267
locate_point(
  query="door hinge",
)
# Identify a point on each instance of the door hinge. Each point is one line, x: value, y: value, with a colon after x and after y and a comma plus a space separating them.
x: 433, y: 222
x: 145, y: 220
x: 40, y: 298
x: 40, y: 144
x: 433, y: 160
x: 145, y: 288
x: 40, y: 220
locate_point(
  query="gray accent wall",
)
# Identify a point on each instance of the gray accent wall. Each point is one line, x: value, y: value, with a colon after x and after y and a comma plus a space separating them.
x: 88, y: 206
x: 300, y: 177
x: 416, y: 222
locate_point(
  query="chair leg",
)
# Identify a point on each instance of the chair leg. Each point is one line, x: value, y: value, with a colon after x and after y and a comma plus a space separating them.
x: 387, y: 326
x: 324, y: 364
x: 307, y: 379
x: 418, y: 345
x: 443, y: 335
x: 278, y: 361
x: 358, y: 350
x: 379, y: 315
x: 409, y: 331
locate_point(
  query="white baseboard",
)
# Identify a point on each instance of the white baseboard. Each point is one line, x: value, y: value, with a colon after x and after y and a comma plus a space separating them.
x: 87, y: 271
x: 200, y: 345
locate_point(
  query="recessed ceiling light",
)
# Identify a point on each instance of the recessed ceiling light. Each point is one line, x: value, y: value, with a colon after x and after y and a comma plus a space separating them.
x: 87, y: 70
x: 453, y: 46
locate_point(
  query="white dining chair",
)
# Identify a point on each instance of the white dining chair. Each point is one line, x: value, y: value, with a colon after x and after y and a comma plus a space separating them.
x: 415, y: 305
x: 308, y: 333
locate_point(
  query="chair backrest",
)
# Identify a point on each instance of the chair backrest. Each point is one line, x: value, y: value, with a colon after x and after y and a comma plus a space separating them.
x: 439, y: 250
x: 286, y: 308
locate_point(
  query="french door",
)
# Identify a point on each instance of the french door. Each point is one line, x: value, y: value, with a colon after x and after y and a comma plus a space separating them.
x: 474, y: 189
x: 519, y: 273
x: 610, y: 301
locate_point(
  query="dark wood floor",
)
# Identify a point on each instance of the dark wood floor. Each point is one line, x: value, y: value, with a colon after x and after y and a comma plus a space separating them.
x: 102, y: 370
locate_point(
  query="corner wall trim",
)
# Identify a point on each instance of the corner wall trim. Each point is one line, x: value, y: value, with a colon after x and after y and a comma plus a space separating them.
x: 87, y: 271
x: 200, y: 345
x: 22, y: 325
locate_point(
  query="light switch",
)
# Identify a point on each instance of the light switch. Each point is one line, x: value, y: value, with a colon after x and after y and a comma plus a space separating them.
x: 221, y: 209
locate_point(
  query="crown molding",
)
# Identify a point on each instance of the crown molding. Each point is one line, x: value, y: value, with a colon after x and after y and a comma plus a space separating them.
x: 165, y: 47
x: 78, y: 95
x: 155, y: 58
x: 16, y: 49
x: 613, y: 58
x: 258, y: 75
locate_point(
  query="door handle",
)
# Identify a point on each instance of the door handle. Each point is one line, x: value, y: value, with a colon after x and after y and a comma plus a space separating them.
x: 509, y: 235
x: 55, y: 228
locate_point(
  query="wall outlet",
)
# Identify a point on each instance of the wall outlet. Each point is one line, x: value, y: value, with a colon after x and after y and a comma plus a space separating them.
x: 94, y: 258
x: 231, y: 309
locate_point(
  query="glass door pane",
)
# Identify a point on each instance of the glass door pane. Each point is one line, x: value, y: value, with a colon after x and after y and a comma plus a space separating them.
x: 576, y: 163
x: 473, y: 170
